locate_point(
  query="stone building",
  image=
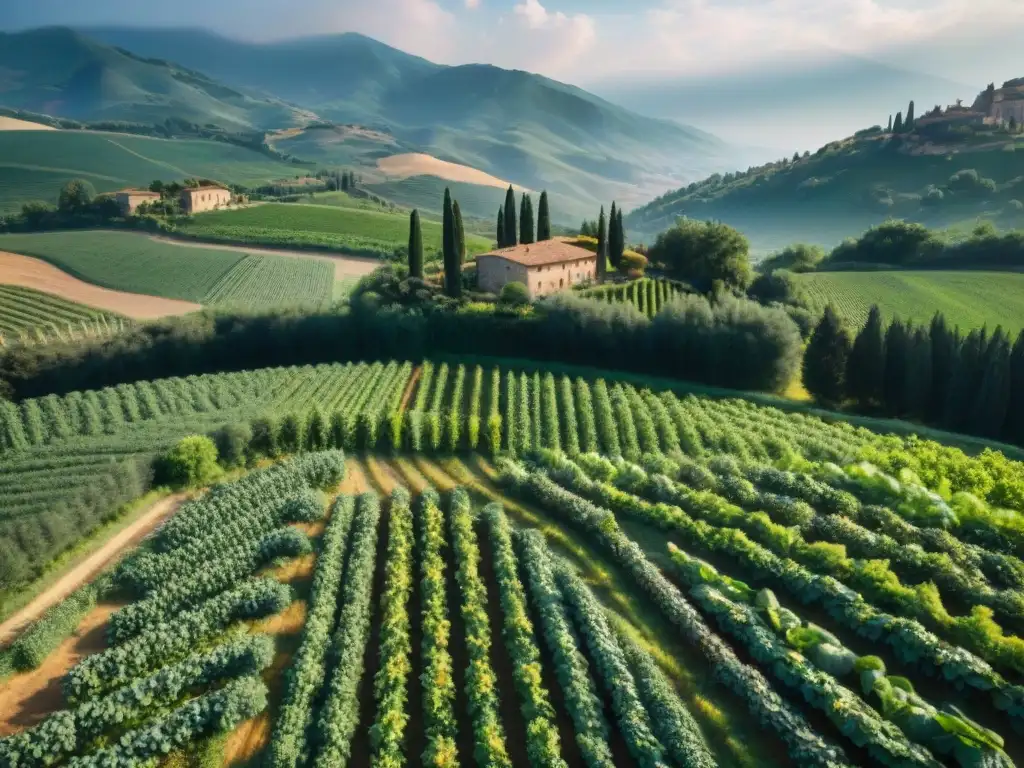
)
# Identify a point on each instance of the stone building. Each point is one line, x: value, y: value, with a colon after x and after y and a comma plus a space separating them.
x: 1008, y: 104
x: 545, y: 267
x: 130, y: 199
x: 199, y: 199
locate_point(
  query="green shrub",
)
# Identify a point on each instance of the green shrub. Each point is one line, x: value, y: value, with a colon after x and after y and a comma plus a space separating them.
x: 232, y: 441
x: 191, y: 462
x: 514, y: 294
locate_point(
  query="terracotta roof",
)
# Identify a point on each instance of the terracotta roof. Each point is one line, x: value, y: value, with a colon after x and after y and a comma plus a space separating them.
x: 145, y: 192
x: 207, y: 188
x: 545, y: 252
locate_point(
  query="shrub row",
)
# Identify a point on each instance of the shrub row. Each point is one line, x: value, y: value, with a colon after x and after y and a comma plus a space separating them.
x: 339, y: 715
x: 305, y: 676
x: 481, y: 682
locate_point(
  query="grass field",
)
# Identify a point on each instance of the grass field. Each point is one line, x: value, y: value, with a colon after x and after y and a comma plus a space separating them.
x: 127, y: 261
x: 36, y: 317
x: 35, y: 164
x: 968, y: 299
x: 574, y: 618
x: 347, y: 230
x: 427, y: 194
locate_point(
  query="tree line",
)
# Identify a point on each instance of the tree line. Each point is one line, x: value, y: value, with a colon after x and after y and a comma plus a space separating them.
x: 932, y: 374
x: 510, y: 234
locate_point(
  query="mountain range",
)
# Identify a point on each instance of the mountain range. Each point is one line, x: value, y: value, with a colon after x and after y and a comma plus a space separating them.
x: 528, y: 129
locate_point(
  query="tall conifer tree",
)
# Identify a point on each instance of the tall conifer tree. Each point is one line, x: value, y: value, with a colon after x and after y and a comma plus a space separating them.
x: 897, y: 126
x: 866, y: 365
x: 613, y: 223
x: 415, y: 246
x: 918, y: 383
x: 889, y: 128
x: 824, y: 366
x: 1014, y: 430
x: 526, y: 227
x: 460, y: 233
x: 602, y: 248
x: 944, y: 345
x: 908, y: 124
x: 619, y: 243
x: 967, y: 373
x: 988, y: 413
x: 893, y: 380
x: 501, y: 226
x: 543, y: 218
x: 511, y: 230
x: 450, y: 249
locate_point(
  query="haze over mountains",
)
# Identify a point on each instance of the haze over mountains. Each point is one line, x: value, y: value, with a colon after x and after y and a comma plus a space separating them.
x: 532, y: 130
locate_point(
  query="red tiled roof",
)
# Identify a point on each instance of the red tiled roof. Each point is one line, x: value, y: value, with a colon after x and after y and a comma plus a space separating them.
x: 545, y: 252
x: 145, y: 192
x: 208, y: 188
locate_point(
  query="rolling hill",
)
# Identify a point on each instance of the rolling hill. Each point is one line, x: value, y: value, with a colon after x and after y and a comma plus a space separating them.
x: 35, y: 164
x: 58, y: 71
x: 847, y: 186
x: 532, y: 130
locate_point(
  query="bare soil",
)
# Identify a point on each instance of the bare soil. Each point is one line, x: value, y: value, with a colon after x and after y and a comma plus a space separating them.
x: 29, y: 697
x: 344, y: 266
x: 29, y: 272
x: 416, y: 164
x: 90, y: 566
x: 14, y: 124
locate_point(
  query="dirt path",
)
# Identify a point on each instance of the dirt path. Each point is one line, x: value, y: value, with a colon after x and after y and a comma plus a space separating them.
x: 29, y: 272
x: 93, y: 564
x: 410, y: 388
x: 29, y: 697
x: 344, y: 266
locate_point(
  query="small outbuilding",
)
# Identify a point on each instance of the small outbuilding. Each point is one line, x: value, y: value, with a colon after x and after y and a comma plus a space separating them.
x: 544, y: 268
x: 130, y: 199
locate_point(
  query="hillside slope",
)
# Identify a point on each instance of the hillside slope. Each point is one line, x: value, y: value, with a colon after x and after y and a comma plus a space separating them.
x: 850, y: 185
x: 61, y: 72
x: 532, y: 130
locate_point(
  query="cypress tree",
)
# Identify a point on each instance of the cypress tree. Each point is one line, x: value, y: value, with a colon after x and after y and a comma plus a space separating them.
x: 543, y: 218
x: 894, y: 378
x: 824, y: 366
x: 988, y: 413
x: 602, y: 248
x: 526, y: 229
x: 510, y: 218
x: 944, y: 344
x: 621, y: 235
x: 460, y: 233
x: 866, y: 366
x: 501, y: 226
x: 918, y: 384
x: 966, y: 378
x: 415, y: 246
x: 897, y: 126
x: 614, y: 257
x: 889, y: 128
x: 908, y: 124
x: 450, y: 249
x: 1014, y: 430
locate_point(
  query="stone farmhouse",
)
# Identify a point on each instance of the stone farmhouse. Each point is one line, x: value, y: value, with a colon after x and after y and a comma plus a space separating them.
x: 1008, y: 103
x: 544, y: 268
x: 130, y: 199
x: 199, y: 199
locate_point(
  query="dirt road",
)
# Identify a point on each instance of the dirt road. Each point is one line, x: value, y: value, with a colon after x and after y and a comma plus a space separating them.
x: 91, y: 565
x: 29, y: 272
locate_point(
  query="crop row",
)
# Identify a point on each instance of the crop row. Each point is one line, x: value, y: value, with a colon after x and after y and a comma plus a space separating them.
x: 648, y: 295
x: 306, y: 673
x: 772, y: 712
x: 911, y: 642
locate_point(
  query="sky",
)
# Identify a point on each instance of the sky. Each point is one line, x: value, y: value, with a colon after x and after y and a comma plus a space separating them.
x: 594, y: 43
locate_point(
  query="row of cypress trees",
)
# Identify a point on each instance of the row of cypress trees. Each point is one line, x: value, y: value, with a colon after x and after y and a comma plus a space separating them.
x: 932, y: 374
x: 611, y: 241
x: 509, y: 234
x: 453, y: 245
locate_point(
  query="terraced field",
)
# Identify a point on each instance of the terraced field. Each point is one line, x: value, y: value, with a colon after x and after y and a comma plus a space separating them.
x: 968, y: 299
x: 29, y: 316
x: 328, y: 227
x: 511, y: 567
x: 127, y: 261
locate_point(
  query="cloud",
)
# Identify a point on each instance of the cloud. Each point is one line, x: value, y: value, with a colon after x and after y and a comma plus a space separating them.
x: 472, y: 4
x: 708, y: 35
x: 552, y: 40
